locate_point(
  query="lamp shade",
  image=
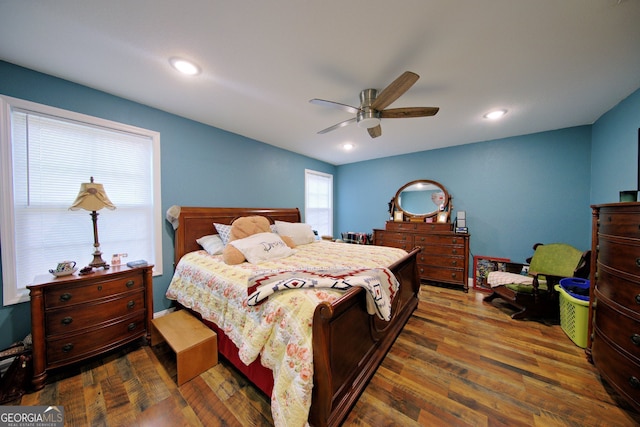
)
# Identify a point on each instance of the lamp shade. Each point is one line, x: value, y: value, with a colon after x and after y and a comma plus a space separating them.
x: 91, y: 197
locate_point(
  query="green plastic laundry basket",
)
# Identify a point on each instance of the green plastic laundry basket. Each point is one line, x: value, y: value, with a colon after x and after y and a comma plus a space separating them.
x: 574, y: 317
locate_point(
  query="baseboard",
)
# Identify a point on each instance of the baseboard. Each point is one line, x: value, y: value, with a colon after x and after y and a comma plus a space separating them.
x: 163, y: 312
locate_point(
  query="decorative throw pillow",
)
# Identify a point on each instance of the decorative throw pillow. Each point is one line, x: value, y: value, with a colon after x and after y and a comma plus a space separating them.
x: 224, y: 231
x: 300, y: 233
x: 212, y: 244
x: 262, y: 247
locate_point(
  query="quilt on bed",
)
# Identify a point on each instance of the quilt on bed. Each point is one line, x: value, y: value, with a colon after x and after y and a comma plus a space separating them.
x: 280, y: 328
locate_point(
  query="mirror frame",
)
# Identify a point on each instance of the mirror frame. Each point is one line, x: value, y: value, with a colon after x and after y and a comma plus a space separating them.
x: 407, y: 214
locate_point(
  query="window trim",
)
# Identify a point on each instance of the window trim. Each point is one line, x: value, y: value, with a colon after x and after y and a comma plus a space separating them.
x: 308, y: 172
x: 11, y: 294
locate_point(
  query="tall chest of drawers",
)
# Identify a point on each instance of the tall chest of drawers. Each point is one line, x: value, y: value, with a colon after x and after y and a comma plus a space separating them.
x: 77, y: 317
x: 444, y: 257
x: 614, y: 334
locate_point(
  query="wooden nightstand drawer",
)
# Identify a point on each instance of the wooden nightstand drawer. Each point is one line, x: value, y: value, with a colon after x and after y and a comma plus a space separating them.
x: 62, y: 321
x: 81, y: 293
x: 78, y: 346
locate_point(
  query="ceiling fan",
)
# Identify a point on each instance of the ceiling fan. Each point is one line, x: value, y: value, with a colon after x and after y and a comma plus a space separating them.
x: 372, y: 106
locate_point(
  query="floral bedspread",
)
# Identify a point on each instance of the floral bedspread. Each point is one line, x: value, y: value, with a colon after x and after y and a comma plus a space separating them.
x: 279, y: 330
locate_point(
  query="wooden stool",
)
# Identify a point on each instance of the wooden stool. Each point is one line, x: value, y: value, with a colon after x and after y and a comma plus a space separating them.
x: 195, y: 345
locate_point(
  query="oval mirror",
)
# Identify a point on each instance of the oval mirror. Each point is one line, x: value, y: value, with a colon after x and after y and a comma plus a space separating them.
x: 422, y: 198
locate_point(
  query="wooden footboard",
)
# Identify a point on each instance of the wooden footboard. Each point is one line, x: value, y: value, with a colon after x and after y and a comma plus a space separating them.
x: 349, y: 344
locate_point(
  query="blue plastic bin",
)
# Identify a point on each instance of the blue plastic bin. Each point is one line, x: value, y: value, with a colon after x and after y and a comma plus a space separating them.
x: 576, y: 287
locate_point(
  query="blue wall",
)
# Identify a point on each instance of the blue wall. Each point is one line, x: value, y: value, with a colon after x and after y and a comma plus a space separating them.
x: 200, y: 166
x: 615, y: 151
x: 516, y: 191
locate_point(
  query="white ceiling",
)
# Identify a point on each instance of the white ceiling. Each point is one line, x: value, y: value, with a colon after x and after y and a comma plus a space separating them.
x: 551, y: 63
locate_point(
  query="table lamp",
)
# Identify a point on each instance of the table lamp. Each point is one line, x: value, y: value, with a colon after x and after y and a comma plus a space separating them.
x: 92, y: 197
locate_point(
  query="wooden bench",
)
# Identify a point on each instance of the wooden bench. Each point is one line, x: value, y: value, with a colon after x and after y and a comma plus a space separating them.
x: 195, y: 345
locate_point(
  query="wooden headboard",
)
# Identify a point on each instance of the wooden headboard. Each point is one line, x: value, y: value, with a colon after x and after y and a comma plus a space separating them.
x: 195, y: 222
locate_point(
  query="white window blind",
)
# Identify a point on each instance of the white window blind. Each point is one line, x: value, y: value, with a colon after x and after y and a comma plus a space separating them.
x: 47, y: 153
x: 318, y: 210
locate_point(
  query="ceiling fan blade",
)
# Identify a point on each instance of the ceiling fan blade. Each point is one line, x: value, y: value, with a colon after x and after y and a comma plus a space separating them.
x: 331, y: 104
x: 375, y: 131
x: 395, y: 90
x: 401, y: 113
x: 339, y: 125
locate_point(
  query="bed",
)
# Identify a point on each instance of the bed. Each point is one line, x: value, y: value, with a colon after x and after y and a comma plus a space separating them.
x: 348, y: 343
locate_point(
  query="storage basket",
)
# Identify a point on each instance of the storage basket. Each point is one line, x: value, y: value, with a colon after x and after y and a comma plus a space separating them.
x: 574, y: 317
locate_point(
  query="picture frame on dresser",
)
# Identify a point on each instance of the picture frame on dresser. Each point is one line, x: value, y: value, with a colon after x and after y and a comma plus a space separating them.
x: 442, y: 217
x: 482, y: 266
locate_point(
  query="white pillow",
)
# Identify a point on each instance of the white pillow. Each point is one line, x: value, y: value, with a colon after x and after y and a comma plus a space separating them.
x: 224, y: 231
x: 262, y: 247
x: 212, y: 244
x: 300, y: 233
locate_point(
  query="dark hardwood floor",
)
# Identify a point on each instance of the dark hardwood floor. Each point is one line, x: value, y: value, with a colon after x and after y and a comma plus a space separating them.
x: 458, y: 362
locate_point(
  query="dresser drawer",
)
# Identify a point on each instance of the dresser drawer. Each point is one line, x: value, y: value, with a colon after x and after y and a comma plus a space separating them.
x: 620, y: 223
x: 619, y: 328
x: 61, y: 296
x: 451, y: 251
x: 619, y: 288
x: 392, y: 239
x: 417, y: 227
x: 440, y: 261
x: 618, y: 370
x: 623, y: 255
x: 78, y: 346
x: 441, y: 274
x: 439, y: 239
x: 67, y: 320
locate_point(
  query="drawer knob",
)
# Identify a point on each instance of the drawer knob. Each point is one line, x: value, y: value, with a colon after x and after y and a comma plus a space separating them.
x: 67, y: 348
x: 130, y: 283
x: 99, y: 287
x: 637, y: 262
x: 131, y: 304
x: 454, y: 263
x: 454, y: 251
x: 131, y: 326
x: 67, y: 320
x: 634, y: 382
x: 635, y: 339
x: 65, y: 297
x: 454, y: 240
x: 638, y: 299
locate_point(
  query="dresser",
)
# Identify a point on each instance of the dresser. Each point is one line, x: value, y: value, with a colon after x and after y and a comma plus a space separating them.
x: 614, y: 335
x: 77, y: 317
x: 444, y: 257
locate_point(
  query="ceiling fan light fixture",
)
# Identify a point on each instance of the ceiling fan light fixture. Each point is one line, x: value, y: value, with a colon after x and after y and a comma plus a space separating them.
x: 185, y: 67
x: 495, y: 114
x: 368, y: 119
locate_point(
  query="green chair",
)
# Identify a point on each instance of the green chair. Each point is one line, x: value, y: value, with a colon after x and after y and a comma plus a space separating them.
x: 534, y: 294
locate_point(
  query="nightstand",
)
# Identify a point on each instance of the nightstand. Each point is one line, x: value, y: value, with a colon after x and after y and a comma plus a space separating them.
x: 77, y: 317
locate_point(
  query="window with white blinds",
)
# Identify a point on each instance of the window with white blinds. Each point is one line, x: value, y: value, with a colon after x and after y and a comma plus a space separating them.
x: 318, y: 206
x: 46, y: 154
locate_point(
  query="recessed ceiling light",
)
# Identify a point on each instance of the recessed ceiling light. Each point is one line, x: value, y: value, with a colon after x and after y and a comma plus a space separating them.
x: 184, y: 66
x: 348, y: 146
x: 495, y: 114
